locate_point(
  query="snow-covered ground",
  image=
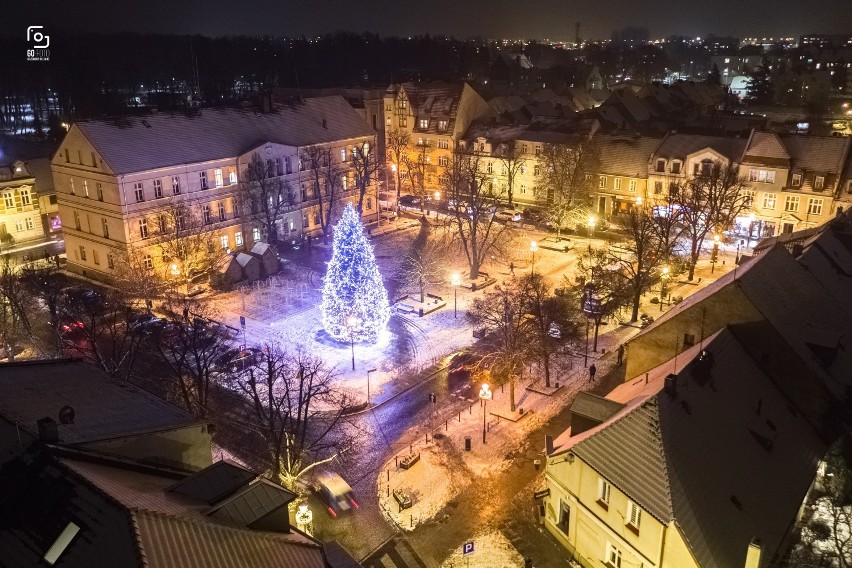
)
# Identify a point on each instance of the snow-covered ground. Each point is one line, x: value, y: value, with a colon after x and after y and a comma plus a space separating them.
x: 490, y: 550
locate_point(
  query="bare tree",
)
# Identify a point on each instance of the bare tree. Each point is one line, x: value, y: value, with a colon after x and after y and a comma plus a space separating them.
x: 183, y: 237
x: 396, y: 148
x: 45, y: 282
x: 512, y: 163
x: 264, y: 196
x: 15, y: 306
x: 327, y: 186
x: 425, y: 263
x: 709, y: 202
x: 551, y: 320
x: 476, y: 199
x: 366, y: 165
x: 604, y: 283
x: 566, y: 178
x: 417, y: 170
x: 292, y: 403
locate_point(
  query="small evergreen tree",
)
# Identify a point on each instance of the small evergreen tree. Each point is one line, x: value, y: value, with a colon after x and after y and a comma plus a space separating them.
x: 354, y: 299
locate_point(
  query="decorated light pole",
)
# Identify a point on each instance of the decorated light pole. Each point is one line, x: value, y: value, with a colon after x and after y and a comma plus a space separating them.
x: 533, y: 249
x: 304, y: 519
x: 485, y: 395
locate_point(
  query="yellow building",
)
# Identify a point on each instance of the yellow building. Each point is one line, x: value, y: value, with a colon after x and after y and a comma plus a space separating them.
x: 698, y: 463
x: 115, y: 179
x: 20, y: 217
x: 622, y: 175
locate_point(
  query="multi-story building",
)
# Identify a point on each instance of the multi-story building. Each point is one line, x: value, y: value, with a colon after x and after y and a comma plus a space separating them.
x: 20, y: 217
x: 115, y: 178
x: 622, y: 172
x: 794, y: 179
x: 434, y: 116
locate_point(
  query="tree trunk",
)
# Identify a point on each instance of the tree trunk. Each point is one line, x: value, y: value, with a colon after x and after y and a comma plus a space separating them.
x: 693, y: 260
x: 546, y: 360
x: 474, y: 270
x: 637, y: 297
x: 597, y: 326
x: 512, y: 393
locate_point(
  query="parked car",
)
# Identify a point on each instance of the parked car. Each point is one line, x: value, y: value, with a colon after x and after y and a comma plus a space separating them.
x: 336, y: 494
x: 410, y: 201
x: 463, y: 362
x: 71, y: 329
x: 237, y: 359
x: 145, y: 323
x: 507, y: 215
x: 82, y: 297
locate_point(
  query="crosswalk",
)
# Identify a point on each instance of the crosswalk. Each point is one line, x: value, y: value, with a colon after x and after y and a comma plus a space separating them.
x: 395, y: 553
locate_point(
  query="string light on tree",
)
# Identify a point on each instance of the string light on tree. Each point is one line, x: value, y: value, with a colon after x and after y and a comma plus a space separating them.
x: 352, y: 289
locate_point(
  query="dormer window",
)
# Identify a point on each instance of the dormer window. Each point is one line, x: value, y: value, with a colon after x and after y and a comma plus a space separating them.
x: 797, y: 180
x: 675, y: 167
x: 819, y: 183
x: 443, y: 125
x: 424, y: 123
x: 661, y: 166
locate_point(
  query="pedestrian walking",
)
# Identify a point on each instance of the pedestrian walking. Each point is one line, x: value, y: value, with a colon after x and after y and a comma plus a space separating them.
x: 512, y: 268
x: 620, y: 354
x: 592, y: 371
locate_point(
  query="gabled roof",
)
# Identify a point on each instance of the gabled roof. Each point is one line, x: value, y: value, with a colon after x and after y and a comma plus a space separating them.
x: 816, y: 153
x: 714, y: 478
x: 104, y: 407
x: 683, y: 145
x: 766, y: 145
x: 593, y: 406
x: 623, y: 155
x: 214, y: 483
x: 136, y: 144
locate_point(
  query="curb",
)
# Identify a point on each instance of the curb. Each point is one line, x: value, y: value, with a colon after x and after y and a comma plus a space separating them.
x: 372, y: 406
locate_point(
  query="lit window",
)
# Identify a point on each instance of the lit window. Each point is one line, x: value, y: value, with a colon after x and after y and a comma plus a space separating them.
x: 797, y: 180
x: 344, y: 182
x: 223, y: 240
x: 148, y: 262
x: 442, y: 125
x: 238, y: 238
x: 143, y: 228
x: 602, y: 182
x: 819, y: 182
x: 71, y: 185
x: 791, y: 204
x: 343, y: 154
x: 814, y: 206
x: 769, y: 201
x: 255, y: 234
x: 424, y: 123
x: 175, y: 185
x: 217, y: 173
x: 86, y: 188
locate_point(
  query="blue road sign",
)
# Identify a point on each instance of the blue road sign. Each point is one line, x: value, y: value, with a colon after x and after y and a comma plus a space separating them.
x: 467, y: 548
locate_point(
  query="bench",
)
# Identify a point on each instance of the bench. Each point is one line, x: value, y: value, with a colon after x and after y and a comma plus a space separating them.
x: 402, y: 498
x: 410, y: 460
x: 405, y: 308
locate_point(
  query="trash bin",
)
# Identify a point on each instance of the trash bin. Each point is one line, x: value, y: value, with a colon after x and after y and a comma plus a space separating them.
x: 467, y: 443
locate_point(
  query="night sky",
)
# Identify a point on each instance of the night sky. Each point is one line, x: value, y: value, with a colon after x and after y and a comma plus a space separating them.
x: 461, y: 18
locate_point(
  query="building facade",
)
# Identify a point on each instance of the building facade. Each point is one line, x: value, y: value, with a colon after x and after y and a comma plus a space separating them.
x: 20, y: 214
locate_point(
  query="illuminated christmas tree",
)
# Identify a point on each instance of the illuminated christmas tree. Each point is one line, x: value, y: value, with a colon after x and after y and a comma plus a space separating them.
x: 354, y: 299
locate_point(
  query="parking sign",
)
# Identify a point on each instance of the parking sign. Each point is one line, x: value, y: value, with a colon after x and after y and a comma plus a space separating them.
x: 467, y: 548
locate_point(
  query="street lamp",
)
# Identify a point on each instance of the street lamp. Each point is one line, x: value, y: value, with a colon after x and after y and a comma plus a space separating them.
x: 533, y: 249
x: 591, y: 224
x: 638, y: 200
x: 485, y: 395
x: 351, y: 322
x: 456, y: 282
x: 739, y: 244
x: 304, y: 518
x: 437, y: 201
x: 368, y: 384
x: 664, y: 279
x: 715, y: 255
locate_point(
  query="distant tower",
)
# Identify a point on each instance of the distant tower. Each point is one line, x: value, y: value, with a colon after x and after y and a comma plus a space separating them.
x: 577, y: 34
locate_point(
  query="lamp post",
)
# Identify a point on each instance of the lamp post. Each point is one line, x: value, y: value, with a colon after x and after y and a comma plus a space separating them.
x: 591, y: 225
x: 304, y: 519
x: 533, y: 249
x: 456, y: 281
x: 739, y: 244
x: 485, y: 395
x: 368, y: 384
x: 715, y: 255
x: 437, y: 202
x: 351, y: 322
x: 664, y: 279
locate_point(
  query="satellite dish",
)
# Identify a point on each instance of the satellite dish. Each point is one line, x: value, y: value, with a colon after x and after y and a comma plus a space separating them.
x: 66, y: 415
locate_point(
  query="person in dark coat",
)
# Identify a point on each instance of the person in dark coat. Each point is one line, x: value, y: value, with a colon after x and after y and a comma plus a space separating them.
x: 592, y: 371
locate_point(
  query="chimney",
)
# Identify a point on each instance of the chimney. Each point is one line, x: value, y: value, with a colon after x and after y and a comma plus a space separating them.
x: 48, y: 430
x: 671, y: 385
x: 753, y: 554
x: 548, y: 445
x: 798, y: 248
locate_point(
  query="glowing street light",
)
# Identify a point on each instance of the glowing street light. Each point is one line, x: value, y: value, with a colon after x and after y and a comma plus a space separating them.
x: 533, y: 249
x: 455, y: 279
x: 304, y: 518
x: 351, y: 324
x: 485, y: 395
x: 638, y: 200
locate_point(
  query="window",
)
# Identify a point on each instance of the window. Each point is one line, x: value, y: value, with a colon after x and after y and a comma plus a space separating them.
x: 631, y: 186
x: 175, y: 185
x: 26, y: 198
x: 762, y: 176
x: 202, y: 179
x: 602, y: 182
x: 86, y: 188
x: 71, y: 185
x: 814, y: 206
x: 849, y: 186
x: 490, y: 168
x: 316, y: 218
x: 604, y: 489
x: 30, y: 224
x: 148, y: 262
x: 143, y: 228
x: 523, y: 189
x: 402, y: 103
x: 769, y: 200
x: 748, y: 198
x: 9, y: 200
x: 616, y: 183
x: 94, y: 160
x: 270, y: 168
x: 523, y: 148
x: 76, y: 220
x: 305, y: 220
x: 537, y: 151
x: 67, y: 157
x: 255, y: 234
x: 675, y: 167
x: 238, y: 238
x: 369, y: 203
x: 288, y: 165
x: 223, y: 241
x: 206, y: 213
x: 536, y: 170
x: 564, y: 516
x: 424, y: 123
x: 82, y: 253
x: 443, y: 124
x: 344, y: 181
x: 158, y: 188
x: 688, y: 340
x: 139, y: 191
x: 96, y: 257
x: 217, y: 174
x: 791, y: 204
x: 797, y: 180
x: 221, y: 210
x: 403, y: 123
x: 279, y: 167
x: 304, y: 193
x: 443, y: 144
x: 443, y: 161
x: 105, y: 227
x: 388, y: 122
x: 110, y: 261
x: 658, y: 187
x: 79, y: 156
x: 819, y: 183
x: 634, y: 515
x: 100, y: 190
x: 613, y: 556
x: 343, y: 154
x: 19, y: 225
x: 661, y: 165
